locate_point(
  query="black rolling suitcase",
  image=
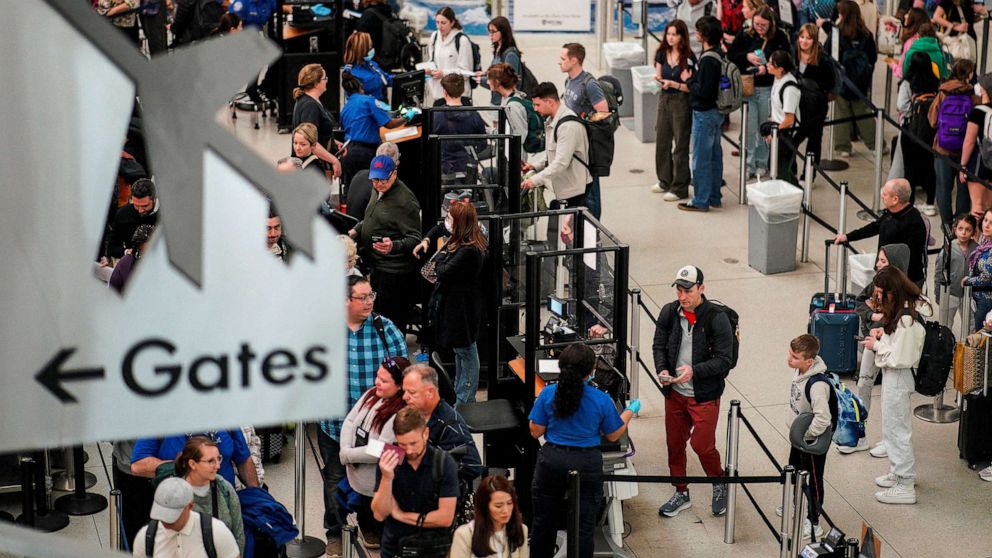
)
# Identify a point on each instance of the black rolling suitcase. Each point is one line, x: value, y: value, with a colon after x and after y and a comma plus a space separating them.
x: 975, y: 428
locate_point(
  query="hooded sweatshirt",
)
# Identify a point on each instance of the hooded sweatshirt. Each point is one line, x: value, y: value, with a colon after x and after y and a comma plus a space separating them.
x: 930, y: 47
x: 818, y: 402
x: 454, y: 157
x: 950, y: 87
x: 898, y: 256
x: 959, y: 266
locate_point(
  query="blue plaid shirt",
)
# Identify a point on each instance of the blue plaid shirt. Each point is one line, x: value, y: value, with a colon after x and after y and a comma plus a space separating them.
x: 365, y: 354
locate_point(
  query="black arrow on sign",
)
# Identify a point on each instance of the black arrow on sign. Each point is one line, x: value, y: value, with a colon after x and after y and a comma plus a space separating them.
x: 52, y: 375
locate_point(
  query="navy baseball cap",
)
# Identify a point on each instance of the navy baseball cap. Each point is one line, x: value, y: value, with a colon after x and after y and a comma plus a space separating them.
x: 382, y: 166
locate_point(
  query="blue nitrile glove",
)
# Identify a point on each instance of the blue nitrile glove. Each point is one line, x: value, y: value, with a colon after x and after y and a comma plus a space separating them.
x: 634, y: 406
x: 320, y: 10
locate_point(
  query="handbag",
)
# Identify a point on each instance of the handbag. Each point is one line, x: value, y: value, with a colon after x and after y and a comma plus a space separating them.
x: 970, y: 360
x: 427, y: 543
x: 960, y: 46
x: 429, y: 270
x: 747, y: 85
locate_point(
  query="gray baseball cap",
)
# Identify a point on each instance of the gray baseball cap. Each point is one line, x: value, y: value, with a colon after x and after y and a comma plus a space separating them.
x: 171, y: 498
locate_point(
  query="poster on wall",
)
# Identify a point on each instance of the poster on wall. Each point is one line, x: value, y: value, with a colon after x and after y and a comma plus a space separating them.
x: 472, y: 14
x: 553, y: 15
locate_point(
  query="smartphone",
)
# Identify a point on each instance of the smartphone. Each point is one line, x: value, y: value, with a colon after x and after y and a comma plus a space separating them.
x: 376, y: 239
x: 343, y: 147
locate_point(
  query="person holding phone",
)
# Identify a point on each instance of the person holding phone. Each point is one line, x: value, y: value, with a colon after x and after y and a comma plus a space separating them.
x: 573, y: 417
x: 693, y: 348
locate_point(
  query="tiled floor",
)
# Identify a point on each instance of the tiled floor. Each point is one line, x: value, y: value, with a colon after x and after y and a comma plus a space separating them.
x: 952, y: 516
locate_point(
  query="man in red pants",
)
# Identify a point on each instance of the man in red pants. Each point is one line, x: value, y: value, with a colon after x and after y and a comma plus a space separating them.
x: 693, y: 348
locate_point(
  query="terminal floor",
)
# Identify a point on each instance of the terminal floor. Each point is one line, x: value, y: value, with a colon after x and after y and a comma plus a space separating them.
x: 952, y: 516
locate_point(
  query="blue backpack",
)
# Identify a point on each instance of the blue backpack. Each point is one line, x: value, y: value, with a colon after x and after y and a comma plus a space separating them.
x: 253, y: 12
x: 848, y: 411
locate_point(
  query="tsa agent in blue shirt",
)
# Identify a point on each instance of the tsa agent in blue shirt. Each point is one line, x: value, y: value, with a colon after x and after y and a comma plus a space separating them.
x: 358, y: 55
x: 361, y: 118
x: 573, y: 417
x: 149, y: 453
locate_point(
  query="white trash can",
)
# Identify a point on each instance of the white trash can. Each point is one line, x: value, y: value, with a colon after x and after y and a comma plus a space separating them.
x: 620, y: 58
x: 862, y: 271
x: 773, y: 225
x: 645, y: 95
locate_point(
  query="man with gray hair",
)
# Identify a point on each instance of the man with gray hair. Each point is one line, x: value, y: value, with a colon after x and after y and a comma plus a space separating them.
x: 898, y: 223
x: 360, y: 187
x: 448, y: 429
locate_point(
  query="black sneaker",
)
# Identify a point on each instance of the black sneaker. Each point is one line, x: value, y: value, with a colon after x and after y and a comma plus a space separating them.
x: 678, y: 502
x: 719, y: 499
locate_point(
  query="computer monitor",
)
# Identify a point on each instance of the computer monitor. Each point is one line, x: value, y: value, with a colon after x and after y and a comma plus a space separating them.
x: 558, y: 307
x: 408, y: 89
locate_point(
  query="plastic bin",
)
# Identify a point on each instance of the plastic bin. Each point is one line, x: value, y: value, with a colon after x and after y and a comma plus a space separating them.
x: 620, y: 58
x: 862, y: 271
x: 645, y: 96
x: 773, y: 226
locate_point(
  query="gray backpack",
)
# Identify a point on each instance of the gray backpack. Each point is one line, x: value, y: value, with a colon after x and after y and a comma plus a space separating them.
x: 985, y: 141
x: 731, y: 94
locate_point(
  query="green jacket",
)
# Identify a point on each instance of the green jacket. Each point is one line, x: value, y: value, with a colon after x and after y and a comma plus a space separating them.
x: 931, y: 47
x: 395, y: 215
x: 228, y: 509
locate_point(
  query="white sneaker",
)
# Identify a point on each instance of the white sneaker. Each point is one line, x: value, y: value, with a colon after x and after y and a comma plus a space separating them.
x: 844, y: 154
x: 898, y: 493
x: 929, y: 210
x: 878, y: 450
x: 808, y: 528
x: 986, y: 474
x: 671, y: 197
x: 888, y: 480
x: 862, y: 446
x: 657, y: 189
x: 778, y: 511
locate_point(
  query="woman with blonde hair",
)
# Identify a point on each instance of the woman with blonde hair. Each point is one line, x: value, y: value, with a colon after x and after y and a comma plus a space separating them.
x: 358, y: 61
x: 304, y: 145
x: 311, y: 84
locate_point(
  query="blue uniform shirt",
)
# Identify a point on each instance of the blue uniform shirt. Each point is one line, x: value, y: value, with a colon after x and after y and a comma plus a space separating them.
x: 596, y: 415
x: 232, y: 445
x: 374, y: 79
x: 361, y: 119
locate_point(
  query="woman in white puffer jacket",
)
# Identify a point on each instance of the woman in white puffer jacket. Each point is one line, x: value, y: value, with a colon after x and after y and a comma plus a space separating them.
x: 898, y: 345
x: 451, y: 52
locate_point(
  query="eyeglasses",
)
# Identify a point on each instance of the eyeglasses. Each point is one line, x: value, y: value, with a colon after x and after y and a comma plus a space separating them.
x: 215, y: 461
x: 323, y: 78
x: 365, y: 298
x: 379, y: 180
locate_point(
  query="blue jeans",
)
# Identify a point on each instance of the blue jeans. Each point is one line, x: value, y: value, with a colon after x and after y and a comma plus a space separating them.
x: 982, y: 307
x: 707, y: 158
x: 759, y: 110
x: 947, y: 179
x: 466, y: 373
x: 593, y: 200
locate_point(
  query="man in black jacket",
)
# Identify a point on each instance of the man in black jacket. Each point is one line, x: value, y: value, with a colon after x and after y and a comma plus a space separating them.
x: 704, y: 86
x: 693, y: 347
x: 143, y: 210
x: 899, y: 223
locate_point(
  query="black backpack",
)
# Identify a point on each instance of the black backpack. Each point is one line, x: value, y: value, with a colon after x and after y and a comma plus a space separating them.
x: 918, y: 117
x: 858, y: 69
x: 206, y: 532
x: 812, y: 103
x: 600, y: 134
x: 528, y: 83
x: 397, y: 41
x: 936, y: 359
x: 206, y: 17
x: 717, y: 307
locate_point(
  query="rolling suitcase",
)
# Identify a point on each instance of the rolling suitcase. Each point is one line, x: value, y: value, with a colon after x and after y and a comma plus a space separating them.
x: 975, y: 428
x: 834, y: 322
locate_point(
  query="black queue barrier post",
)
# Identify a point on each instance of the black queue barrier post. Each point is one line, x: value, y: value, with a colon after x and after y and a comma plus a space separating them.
x: 807, y: 204
x: 45, y: 518
x: 851, y: 550
x: 65, y: 481
x: 80, y: 502
x: 28, y: 466
x: 574, y: 513
x: 302, y: 546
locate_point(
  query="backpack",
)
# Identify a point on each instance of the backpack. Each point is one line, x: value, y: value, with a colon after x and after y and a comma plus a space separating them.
x: 206, y: 17
x: 985, y: 141
x: 730, y: 97
x: 534, y: 142
x: 396, y: 35
x: 952, y: 120
x: 889, y: 33
x: 812, y: 103
x: 206, y: 532
x: 717, y: 307
x: 253, y: 12
x: 918, y: 117
x: 528, y: 83
x: 600, y: 135
x: 851, y: 413
x: 857, y: 67
x: 936, y: 360
x: 838, y: 72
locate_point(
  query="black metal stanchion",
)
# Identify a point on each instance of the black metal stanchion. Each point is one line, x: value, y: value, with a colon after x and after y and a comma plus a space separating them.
x: 27, y: 491
x: 80, y: 502
x: 45, y: 518
x: 66, y: 480
x: 574, y: 513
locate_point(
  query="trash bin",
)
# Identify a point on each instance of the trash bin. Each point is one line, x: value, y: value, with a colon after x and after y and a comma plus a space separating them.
x: 862, y: 268
x: 645, y: 96
x: 620, y: 58
x: 773, y: 225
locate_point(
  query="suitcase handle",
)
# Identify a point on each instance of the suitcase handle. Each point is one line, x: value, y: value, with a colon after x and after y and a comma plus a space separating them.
x: 844, y: 246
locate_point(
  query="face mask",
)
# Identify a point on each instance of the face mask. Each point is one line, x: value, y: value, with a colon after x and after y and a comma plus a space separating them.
x: 448, y: 224
x: 370, y: 55
x: 978, y: 90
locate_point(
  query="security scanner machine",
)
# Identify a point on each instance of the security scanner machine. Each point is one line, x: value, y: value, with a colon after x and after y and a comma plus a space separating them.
x: 548, y: 292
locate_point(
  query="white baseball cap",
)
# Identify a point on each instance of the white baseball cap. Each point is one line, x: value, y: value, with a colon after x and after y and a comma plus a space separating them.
x: 688, y: 276
x: 171, y: 498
